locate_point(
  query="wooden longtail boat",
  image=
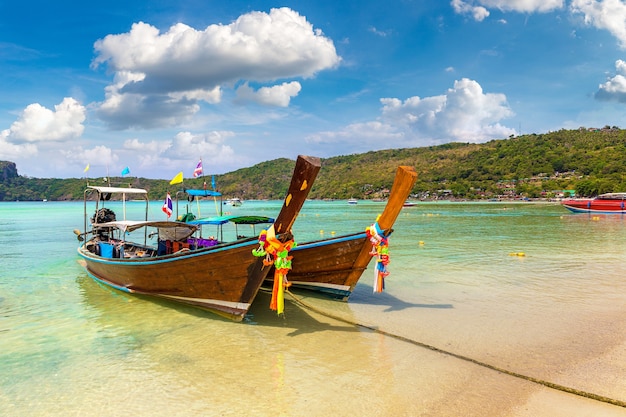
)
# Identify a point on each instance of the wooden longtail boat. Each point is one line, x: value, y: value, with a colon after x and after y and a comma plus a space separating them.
x: 223, y: 278
x: 334, y: 266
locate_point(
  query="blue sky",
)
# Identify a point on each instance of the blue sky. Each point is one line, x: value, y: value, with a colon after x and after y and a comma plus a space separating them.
x: 157, y: 85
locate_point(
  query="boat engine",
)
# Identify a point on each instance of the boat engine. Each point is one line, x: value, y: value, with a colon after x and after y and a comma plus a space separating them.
x: 103, y: 215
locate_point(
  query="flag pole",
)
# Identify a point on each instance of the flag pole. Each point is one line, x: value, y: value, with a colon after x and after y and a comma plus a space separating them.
x: 217, y: 210
x: 197, y: 199
x: 198, y: 205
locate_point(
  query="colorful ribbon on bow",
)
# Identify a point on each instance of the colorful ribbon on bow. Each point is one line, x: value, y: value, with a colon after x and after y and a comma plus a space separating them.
x: 380, y: 249
x: 277, y: 253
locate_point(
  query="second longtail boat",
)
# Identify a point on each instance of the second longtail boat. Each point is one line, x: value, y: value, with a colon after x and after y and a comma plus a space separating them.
x: 334, y: 266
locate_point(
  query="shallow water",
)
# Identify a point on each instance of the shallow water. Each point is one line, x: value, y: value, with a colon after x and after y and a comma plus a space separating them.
x: 69, y: 346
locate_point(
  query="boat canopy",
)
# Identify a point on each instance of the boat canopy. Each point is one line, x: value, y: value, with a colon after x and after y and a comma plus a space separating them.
x: 167, y: 230
x: 203, y: 193
x: 117, y: 190
x: 612, y: 196
x: 217, y: 220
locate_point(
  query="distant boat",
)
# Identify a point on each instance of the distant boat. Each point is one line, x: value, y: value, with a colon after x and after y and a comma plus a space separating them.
x: 609, y: 203
x: 235, y: 202
x: 352, y: 201
x: 409, y: 203
x: 222, y: 277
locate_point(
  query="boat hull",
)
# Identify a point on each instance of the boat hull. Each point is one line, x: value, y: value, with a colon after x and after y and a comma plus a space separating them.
x: 223, y: 279
x: 596, y: 206
x: 328, y: 265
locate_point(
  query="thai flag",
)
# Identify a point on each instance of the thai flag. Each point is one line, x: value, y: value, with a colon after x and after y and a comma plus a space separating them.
x: 198, y: 171
x: 167, y: 205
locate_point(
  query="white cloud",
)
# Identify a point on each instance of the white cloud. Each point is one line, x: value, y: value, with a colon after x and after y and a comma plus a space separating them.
x: 370, y: 133
x: 122, y: 109
x: 463, y: 114
x: 615, y: 87
x: 210, y: 146
x: 173, y: 155
x: 12, y: 152
x: 605, y: 14
x: 152, y: 147
x: 163, y: 75
x: 278, y: 95
x: 523, y: 6
x: 37, y: 123
x: 479, y: 13
x: 381, y: 33
x: 98, y: 156
x: 479, y: 9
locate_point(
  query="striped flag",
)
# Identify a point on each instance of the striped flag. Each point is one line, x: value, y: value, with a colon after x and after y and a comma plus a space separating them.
x: 198, y: 171
x: 167, y: 205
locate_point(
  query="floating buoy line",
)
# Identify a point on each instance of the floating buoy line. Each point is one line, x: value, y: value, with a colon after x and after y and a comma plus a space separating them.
x: 538, y: 381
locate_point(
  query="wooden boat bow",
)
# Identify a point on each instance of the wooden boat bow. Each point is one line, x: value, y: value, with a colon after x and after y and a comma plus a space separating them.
x: 400, y: 190
x: 304, y: 174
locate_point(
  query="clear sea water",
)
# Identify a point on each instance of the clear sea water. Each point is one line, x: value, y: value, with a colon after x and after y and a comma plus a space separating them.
x: 71, y: 347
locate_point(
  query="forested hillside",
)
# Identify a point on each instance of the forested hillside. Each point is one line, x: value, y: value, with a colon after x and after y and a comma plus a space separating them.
x: 536, y: 165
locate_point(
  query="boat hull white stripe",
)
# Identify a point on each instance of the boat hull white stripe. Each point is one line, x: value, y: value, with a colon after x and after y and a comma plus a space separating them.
x: 206, y: 301
x: 321, y: 285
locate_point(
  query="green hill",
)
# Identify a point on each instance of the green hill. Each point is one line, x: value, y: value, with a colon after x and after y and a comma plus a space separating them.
x: 536, y: 165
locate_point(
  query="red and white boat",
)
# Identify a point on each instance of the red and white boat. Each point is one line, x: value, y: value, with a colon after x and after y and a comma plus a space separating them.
x: 610, y: 203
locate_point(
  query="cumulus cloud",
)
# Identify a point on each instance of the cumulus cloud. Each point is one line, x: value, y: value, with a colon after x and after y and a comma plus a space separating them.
x: 479, y: 13
x: 98, y: 156
x: 126, y: 110
x: 278, y: 95
x: 463, y: 114
x: 615, y: 87
x: 37, y: 123
x: 171, y: 155
x: 479, y: 9
x: 12, y: 152
x: 166, y: 74
x: 604, y: 14
x: 211, y: 146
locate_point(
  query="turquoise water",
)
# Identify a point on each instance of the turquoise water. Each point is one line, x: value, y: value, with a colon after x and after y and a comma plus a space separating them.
x: 69, y: 346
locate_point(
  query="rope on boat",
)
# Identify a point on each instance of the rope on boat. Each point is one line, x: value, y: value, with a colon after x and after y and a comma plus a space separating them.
x: 538, y: 381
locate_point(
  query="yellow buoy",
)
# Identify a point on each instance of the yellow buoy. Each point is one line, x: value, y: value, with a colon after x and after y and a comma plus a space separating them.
x: 421, y: 243
x: 517, y: 254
